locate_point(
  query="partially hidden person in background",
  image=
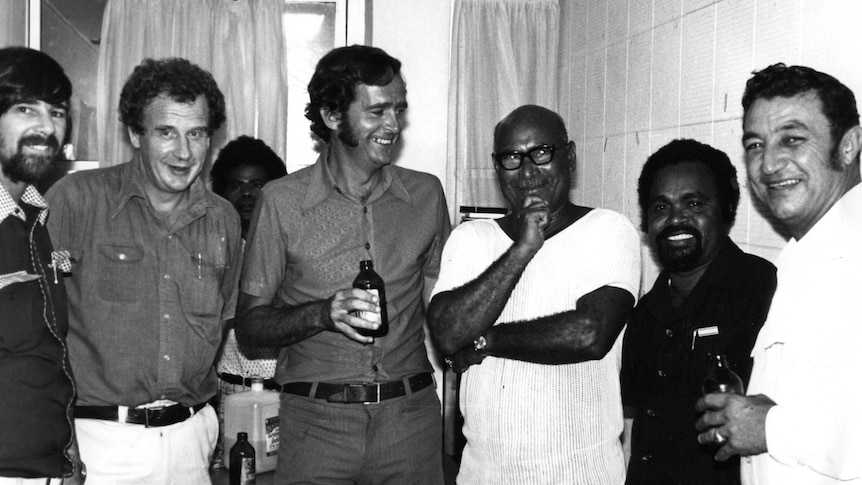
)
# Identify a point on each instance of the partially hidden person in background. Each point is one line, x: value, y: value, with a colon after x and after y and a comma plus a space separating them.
x: 242, y: 168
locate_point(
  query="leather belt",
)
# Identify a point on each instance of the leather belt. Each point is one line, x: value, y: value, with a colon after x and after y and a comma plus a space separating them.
x: 246, y: 381
x: 360, y: 393
x: 149, y: 417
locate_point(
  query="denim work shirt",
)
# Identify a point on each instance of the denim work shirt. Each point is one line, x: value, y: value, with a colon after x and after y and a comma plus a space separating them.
x: 146, y: 301
x: 306, y: 242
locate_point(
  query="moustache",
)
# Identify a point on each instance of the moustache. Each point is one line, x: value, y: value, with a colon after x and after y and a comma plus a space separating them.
x: 678, y: 229
x: 50, y: 141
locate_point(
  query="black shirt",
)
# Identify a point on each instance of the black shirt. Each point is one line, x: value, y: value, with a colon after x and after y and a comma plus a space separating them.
x: 666, y: 355
x: 36, y: 390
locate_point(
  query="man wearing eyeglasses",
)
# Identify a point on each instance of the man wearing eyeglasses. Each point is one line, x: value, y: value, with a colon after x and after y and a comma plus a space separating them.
x: 530, y: 308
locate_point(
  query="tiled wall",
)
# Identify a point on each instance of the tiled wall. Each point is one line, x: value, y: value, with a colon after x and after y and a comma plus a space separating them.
x: 640, y: 73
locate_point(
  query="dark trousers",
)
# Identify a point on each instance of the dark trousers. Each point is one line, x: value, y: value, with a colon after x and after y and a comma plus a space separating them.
x: 395, y: 442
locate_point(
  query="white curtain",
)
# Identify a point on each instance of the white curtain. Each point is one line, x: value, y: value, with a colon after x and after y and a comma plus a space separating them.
x: 504, y: 54
x: 239, y: 41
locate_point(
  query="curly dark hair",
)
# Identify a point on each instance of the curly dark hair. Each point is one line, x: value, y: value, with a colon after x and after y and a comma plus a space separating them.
x: 31, y: 75
x: 175, y: 78
x: 837, y: 100
x: 685, y: 150
x: 244, y: 150
x: 333, y: 84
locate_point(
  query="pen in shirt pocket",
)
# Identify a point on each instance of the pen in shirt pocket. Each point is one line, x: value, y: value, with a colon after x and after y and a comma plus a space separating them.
x: 703, y: 332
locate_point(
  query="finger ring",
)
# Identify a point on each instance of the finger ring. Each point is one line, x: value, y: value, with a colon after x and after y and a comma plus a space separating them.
x: 719, y: 438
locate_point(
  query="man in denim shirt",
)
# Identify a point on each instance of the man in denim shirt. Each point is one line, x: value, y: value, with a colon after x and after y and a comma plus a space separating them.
x: 155, y: 266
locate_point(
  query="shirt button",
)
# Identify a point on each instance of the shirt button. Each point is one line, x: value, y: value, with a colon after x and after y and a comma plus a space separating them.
x: 646, y: 458
x: 167, y: 276
x: 167, y: 357
x: 167, y: 317
x: 661, y: 373
x: 668, y: 332
x: 367, y: 245
x: 650, y: 413
x: 170, y: 237
x: 121, y: 256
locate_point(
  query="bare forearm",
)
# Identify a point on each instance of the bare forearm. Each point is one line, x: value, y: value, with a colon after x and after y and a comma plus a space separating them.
x: 557, y: 339
x: 586, y: 333
x: 458, y: 316
x: 271, y: 326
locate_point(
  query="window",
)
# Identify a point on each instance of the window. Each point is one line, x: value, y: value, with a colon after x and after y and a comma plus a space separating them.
x: 310, y: 30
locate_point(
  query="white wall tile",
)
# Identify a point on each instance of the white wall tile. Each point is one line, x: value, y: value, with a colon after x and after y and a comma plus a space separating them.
x: 665, y: 75
x: 597, y: 23
x: 665, y: 11
x: 776, y: 32
x: 640, y: 16
x: 618, y: 20
x: 698, y: 62
x: 592, y: 177
x: 615, y: 74
x: 639, y: 83
x: 615, y: 187
x: 595, y: 94
x: 734, y: 48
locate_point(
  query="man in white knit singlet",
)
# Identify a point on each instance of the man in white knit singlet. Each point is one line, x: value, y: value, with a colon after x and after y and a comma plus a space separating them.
x: 530, y: 308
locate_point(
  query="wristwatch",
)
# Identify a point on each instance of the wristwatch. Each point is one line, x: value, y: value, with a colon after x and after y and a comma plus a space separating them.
x: 480, y: 343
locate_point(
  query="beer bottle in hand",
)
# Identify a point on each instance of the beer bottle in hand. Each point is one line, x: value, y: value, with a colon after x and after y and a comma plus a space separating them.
x: 369, y: 280
x: 721, y: 379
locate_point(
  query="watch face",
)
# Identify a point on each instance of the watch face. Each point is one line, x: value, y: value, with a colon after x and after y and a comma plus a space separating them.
x: 480, y: 343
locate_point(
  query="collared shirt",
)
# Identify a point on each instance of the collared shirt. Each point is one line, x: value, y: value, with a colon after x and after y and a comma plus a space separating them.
x: 667, y: 353
x: 146, y: 301
x: 306, y: 242
x: 36, y: 389
x: 807, y: 357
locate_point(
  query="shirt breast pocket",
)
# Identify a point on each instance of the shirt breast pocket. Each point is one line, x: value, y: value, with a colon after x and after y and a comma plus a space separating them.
x: 204, y: 286
x: 120, y: 269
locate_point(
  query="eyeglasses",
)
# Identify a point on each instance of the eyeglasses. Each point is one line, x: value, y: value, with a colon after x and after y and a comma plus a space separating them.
x: 539, y: 155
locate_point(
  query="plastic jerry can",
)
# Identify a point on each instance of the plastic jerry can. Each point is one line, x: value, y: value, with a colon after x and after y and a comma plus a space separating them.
x: 254, y: 412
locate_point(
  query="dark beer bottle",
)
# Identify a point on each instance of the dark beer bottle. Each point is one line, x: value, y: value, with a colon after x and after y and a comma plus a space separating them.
x: 369, y: 280
x: 721, y: 379
x: 242, y: 466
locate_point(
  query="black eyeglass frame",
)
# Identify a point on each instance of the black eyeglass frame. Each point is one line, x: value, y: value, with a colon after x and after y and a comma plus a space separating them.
x: 528, y: 154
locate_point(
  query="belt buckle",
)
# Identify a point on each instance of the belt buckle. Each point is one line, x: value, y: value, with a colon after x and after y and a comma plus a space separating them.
x: 147, y: 414
x: 375, y: 385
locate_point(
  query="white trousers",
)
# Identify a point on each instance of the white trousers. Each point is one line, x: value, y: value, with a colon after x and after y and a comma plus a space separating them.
x: 120, y: 454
